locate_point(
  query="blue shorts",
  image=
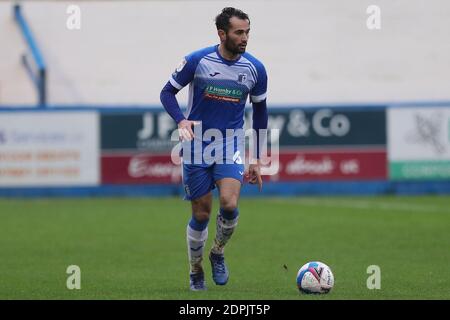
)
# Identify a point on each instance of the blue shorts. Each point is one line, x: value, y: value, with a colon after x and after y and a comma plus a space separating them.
x: 199, y: 179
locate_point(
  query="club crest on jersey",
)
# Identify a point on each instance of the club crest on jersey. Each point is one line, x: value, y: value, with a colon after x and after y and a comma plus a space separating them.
x: 242, y: 77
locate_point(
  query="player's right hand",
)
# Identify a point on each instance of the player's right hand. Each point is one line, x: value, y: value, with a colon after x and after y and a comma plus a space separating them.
x: 185, y: 129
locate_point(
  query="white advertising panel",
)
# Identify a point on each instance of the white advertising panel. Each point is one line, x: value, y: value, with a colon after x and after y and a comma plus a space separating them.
x: 49, y: 149
x: 419, y: 143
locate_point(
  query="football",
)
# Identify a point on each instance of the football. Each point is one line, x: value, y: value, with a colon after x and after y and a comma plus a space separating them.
x: 315, y: 277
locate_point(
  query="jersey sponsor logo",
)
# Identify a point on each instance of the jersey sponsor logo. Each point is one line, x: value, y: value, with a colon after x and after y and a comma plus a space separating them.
x: 223, y: 94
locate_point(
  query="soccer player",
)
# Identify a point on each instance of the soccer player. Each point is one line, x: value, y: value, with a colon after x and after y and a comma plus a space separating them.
x: 220, y: 79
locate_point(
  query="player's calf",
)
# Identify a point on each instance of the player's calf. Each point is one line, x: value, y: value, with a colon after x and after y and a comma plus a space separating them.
x: 196, y: 236
x: 226, y: 223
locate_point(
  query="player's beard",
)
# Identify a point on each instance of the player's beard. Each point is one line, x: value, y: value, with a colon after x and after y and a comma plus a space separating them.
x: 232, y: 47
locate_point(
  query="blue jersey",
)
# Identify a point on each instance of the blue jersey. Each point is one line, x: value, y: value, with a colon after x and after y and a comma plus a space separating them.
x: 218, y: 88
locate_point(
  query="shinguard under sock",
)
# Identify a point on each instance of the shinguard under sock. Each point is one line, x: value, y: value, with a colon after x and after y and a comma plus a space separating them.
x: 226, y: 223
x: 196, y: 234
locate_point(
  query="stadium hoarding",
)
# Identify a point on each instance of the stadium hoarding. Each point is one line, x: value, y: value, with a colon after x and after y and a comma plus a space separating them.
x: 350, y: 144
x: 331, y: 165
x: 310, y: 127
x: 419, y: 143
x: 148, y: 131
x: 299, y: 127
x: 49, y: 149
x: 139, y: 169
x: 293, y: 166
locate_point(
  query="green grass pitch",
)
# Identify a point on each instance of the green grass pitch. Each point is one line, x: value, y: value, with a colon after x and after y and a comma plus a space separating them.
x: 135, y: 248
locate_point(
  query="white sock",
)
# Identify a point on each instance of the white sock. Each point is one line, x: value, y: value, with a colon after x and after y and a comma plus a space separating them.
x: 196, y: 240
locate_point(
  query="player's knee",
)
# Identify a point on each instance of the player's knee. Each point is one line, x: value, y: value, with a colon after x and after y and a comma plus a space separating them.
x: 229, y: 204
x: 205, y: 209
x: 201, y: 208
x: 201, y: 216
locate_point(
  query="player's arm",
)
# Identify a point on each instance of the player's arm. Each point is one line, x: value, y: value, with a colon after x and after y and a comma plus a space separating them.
x: 260, y: 120
x: 170, y: 103
x: 180, y: 78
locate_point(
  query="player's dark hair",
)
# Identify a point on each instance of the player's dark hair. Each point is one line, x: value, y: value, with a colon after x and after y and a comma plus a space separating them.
x: 223, y: 19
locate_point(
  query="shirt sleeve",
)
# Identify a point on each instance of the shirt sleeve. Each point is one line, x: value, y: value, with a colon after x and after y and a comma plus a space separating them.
x: 259, y: 91
x: 184, y: 73
x: 170, y: 103
x: 260, y: 119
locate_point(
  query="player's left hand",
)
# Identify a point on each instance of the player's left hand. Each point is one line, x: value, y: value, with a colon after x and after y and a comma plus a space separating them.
x: 254, y: 175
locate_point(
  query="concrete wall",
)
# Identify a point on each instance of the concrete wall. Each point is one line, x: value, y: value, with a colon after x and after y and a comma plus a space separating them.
x: 314, y: 51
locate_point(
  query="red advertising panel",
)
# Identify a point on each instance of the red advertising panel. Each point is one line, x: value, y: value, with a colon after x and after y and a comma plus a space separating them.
x: 331, y: 165
x: 305, y: 165
x: 139, y: 169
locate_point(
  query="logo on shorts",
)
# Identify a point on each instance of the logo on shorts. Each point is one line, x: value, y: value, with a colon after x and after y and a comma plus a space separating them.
x: 187, y: 190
